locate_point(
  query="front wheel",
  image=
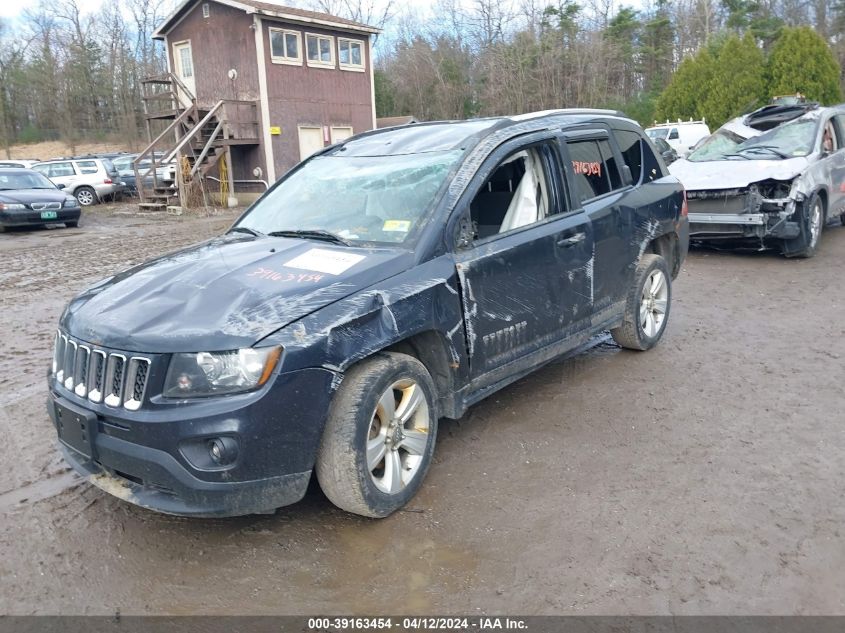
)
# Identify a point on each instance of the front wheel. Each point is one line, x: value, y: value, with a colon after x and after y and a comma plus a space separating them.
x: 86, y: 196
x: 379, y: 436
x: 646, y: 306
x: 812, y: 220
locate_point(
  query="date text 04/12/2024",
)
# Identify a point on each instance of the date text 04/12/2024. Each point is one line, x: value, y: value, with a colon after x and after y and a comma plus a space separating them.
x: 416, y: 624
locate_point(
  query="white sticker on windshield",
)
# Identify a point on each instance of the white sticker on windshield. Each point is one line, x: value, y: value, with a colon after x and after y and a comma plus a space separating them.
x: 325, y: 261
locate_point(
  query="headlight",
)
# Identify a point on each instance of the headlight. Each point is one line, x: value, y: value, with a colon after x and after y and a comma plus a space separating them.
x: 212, y: 373
x: 11, y: 206
x: 70, y: 203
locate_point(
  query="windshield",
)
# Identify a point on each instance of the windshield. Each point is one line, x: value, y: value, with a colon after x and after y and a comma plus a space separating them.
x: 124, y: 163
x: 785, y: 141
x: 356, y: 198
x: 24, y: 180
x: 658, y: 132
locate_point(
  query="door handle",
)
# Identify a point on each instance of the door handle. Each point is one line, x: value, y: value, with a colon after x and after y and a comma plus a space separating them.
x: 566, y: 242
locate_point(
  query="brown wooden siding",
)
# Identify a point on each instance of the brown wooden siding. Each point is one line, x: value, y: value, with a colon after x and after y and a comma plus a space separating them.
x: 304, y: 95
x: 220, y: 42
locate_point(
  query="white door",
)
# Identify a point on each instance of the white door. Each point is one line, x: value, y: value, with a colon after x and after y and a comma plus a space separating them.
x: 184, y: 70
x: 340, y: 133
x: 310, y: 141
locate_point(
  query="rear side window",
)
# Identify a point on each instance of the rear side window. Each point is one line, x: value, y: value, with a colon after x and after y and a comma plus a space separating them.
x: 87, y: 167
x: 591, y: 179
x: 652, y: 167
x: 630, y: 145
x: 610, y: 163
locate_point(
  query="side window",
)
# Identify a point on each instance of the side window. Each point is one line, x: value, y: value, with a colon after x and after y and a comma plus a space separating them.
x: 839, y: 129
x: 673, y: 135
x: 652, y: 169
x: 87, y: 167
x: 57, y: 170
x: 610, y: 163
x: 516, y: 194
x: 591, y: 178
x: 631, y: 147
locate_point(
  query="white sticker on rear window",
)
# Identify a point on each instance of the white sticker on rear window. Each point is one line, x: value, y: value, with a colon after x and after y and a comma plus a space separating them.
x: 325, y: 261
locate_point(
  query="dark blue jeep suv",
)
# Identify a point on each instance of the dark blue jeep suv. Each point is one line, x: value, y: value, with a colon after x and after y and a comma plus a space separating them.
x: 388, y: 281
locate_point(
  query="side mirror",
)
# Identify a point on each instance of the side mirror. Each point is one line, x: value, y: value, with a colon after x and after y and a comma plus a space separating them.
x: 60, y: 186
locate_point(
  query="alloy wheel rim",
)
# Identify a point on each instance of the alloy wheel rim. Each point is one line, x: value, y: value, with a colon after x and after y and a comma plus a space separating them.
x: 815, y: 223
x: 653, y: 303
x: 85, y: 198
x: 398, y: 436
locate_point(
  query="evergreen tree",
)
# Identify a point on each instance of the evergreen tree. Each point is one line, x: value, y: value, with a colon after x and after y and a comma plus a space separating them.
x: 683, y: 97
x: 801, y: 61
x: 737, y: 84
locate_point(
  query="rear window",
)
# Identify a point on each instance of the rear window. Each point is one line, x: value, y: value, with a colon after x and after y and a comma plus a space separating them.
x: 630, y: 144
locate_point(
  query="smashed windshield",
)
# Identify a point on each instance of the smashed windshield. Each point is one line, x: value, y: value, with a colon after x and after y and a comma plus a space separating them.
x: 785, y: 141
x: 354, y: 198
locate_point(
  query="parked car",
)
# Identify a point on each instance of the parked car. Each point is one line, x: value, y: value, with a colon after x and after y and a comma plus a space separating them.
x: 24, y: 163
x: 28, y: 199
x: 126, y: 170
x: 667, y: 153
x: 91, y: 180
x: 681, y: 136
x: 769, y: 179
x: 389, y: 280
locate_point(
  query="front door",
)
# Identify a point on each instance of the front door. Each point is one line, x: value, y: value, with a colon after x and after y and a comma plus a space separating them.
x: 526, y: 275
x: 183, y: 66
x: 310, y: 140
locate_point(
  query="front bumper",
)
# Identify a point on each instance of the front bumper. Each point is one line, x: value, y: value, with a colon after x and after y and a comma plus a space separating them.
x: 145, y: 457
x: 742, y: 226
x: 33, y: 218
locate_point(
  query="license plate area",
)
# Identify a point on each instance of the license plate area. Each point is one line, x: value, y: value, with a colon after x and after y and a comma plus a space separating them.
x: 77, y: 429
x: 48, y: 215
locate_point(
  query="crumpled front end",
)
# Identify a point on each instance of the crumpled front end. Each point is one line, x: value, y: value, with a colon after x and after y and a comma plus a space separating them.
x: 766, y: 209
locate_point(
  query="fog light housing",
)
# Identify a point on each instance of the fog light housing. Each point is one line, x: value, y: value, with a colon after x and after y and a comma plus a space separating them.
x: 211, y: 453
x: 222, y: 450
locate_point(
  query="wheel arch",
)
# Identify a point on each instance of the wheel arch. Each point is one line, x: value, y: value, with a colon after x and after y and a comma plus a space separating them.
x: 668, y: 247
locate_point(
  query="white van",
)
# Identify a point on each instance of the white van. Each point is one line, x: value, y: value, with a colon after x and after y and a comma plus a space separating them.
x: 681, y: 136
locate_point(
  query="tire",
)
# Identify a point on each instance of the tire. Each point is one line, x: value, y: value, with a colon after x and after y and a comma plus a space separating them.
x: 86, y: 196
x: 646, y: 306
x: 812, y: 221
x: 373, y: 396
x: 72, y: 225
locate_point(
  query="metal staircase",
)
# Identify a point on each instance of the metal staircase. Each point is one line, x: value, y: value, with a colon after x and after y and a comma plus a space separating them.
x: 191, y: 145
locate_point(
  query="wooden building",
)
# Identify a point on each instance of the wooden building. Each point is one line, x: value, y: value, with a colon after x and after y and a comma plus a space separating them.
x: 260, y: 84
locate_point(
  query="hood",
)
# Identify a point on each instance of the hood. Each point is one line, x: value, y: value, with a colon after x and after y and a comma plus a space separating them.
x: 734, y: 174
x: 227, y: 293
x: 28, y: 196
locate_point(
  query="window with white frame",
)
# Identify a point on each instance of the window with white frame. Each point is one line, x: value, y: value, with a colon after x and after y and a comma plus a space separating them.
x: 319, y: 50
x: 285, y: 46
x: 350, y: 54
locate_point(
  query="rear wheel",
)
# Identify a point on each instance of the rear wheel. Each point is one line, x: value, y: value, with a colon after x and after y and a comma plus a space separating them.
x: 646, y: 306
x: 86, y: 196
x: 379, y: 436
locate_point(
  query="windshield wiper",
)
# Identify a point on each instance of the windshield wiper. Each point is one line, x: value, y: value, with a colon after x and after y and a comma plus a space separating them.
x: 315, y: 234
x: 772, y: 148
x: 245, y: 229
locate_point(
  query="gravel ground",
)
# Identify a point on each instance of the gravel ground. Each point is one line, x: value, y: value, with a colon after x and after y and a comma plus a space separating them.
x: 702, y: 477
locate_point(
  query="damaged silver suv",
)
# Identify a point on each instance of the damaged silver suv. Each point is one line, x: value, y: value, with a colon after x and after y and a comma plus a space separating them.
x: 770, y: 179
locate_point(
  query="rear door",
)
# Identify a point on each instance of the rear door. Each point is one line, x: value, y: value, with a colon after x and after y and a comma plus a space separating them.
x: 610, y: 203
x: 525, y: 264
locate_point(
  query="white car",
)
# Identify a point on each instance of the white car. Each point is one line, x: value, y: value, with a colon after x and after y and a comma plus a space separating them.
x: 768, y: 179
x: 681, y: 136
x: 24, y: 163
x: 90, y: 180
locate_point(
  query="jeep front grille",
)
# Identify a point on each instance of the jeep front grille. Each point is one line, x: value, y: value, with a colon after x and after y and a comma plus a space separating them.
x: 112, y: 378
